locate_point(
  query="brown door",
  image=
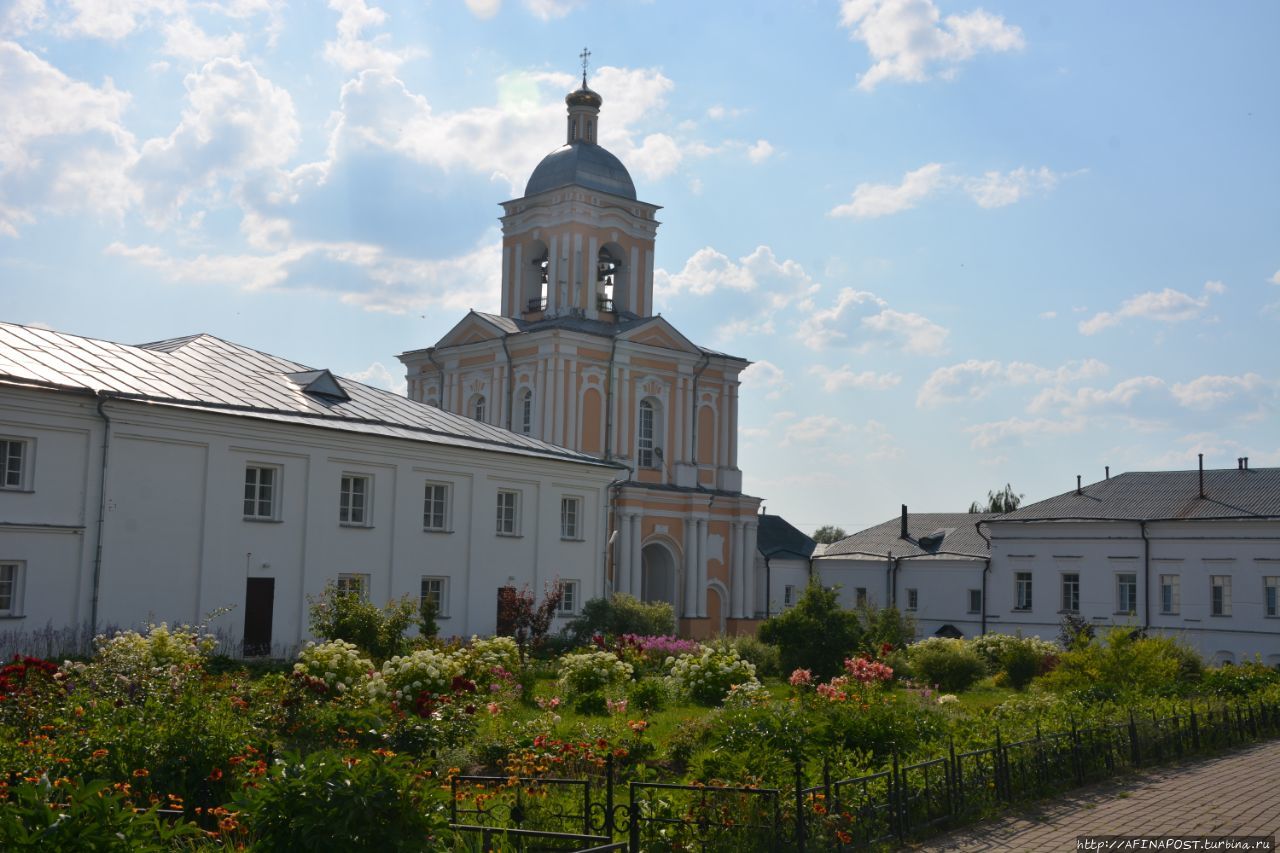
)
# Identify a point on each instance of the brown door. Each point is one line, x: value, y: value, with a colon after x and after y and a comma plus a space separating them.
x: 259, y: 603
x: 506, y: 611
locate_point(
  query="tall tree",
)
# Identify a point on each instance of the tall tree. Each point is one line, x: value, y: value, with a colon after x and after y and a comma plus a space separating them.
x: 828, y: 533
x: 1004, y: 500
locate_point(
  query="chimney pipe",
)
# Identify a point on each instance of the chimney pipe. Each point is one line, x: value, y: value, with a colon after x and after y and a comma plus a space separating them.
x: 1078, y: 489
x: 1108, y: 472
x: 1239, y: 463
x: 1246, y: 463
x: 1201, y: 455
x: 903, y: 534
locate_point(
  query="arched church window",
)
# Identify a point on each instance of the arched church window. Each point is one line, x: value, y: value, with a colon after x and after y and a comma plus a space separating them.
x: 608, y: 267
x: 526, y: 412
x: 649, y: 435
x: 478, y: 408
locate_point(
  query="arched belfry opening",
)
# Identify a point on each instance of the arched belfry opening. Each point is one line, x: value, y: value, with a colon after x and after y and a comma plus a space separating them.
x: 534, y: 291
x: 611, y: 290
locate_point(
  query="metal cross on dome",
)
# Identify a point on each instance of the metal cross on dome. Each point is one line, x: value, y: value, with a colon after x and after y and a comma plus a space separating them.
x: 584, y: 56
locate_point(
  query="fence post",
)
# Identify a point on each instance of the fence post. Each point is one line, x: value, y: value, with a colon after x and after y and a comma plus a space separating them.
x: 453, y: 799
x: 955, y: 792
x: 833, y: 799
x: 1135, y: 753
x: 1077, y: 761
x: 896, y: 808
x: 608, y: 795
x: 1002, y: 788
x: 1195, y: 730
x: 633, y: 818
x: 800, y: 828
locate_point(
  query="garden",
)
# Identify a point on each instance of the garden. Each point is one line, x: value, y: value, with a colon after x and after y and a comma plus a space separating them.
x: 833, y: 729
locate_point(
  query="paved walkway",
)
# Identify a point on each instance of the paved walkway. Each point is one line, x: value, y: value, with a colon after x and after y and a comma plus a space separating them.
x: 1237, y: 793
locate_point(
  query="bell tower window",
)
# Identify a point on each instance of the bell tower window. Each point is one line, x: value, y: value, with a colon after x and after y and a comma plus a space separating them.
x: 526, y: 413
x: 478, y: 408
x: 649, y: 435
x: 608, y: 273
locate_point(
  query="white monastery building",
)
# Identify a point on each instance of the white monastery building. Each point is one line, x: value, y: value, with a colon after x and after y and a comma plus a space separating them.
x: 169, y: 480
x: 579, y: 359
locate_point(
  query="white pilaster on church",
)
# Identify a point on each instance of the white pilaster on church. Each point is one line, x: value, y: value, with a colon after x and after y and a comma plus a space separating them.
x: 690, y: 570
x: 637, y: 564
x: 722, y: 446
x: 590, y: 284
x: 557, y: 422
x: 702, y: 568
x: 750, y: 603
x: 735, y: 570
x: 553, y: 273
x: 733, y: 426
x: 622, y: 559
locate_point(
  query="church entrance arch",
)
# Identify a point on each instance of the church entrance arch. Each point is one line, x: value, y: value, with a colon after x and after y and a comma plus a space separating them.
x: 658, y: 574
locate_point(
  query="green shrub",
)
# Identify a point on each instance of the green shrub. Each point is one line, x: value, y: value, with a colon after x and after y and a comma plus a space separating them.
x: 90, y: 817
x: 1019, y: 663
x: 817, y: 634
x: 952, y: 665
x: 649, y: 694
x: 590, y: 672
x: 379, y: 632
x: 707, y: 677
x: 1239, y: 680
x: 331, y: 801
x: 761, y: 655
x: 1126, y: 664
x: 621, y: 614
x: 884, y: 627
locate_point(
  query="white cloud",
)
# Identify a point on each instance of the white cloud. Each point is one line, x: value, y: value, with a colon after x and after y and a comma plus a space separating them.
x: 767, y: 377
x: 1207, y: 392
x: 1165, y: 306
x: 1048, y: 315
x: 1019, y: 430
x: 760, y: 151
x: 236, y: 123
x: 871, y: 201
x: 484, y: 9
x: 379, y: 376
x: 656, y: 157
x: 861, y: 319
x: 550, y: 9
x: 845, y: 378
x: 352, y: 51
x: 23, y: 16
x: 907, y: 331
x: 974, y: 379
x: 990, y: 190
x: 1275, y: 279
x: 64, y: 146
x: 184, y: 39
x: 709, y: 270
x: 908, y: 39
x: 1148, y: 390
x: 814, y: 429
x: 1215, y: 287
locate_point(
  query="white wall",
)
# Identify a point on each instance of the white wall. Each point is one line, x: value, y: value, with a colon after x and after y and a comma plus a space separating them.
x: 176, y: 546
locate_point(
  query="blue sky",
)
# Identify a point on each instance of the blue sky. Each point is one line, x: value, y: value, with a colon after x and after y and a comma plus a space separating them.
x: 964, y: 244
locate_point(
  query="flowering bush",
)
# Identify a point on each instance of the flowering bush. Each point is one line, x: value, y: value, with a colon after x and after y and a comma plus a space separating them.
x: 132, y: 653
x: 866, y: 671
x: 336, y: 666
x: 405, y: 678
x: 708, y: 676
x: 588, y: 672
x: 485, y: 660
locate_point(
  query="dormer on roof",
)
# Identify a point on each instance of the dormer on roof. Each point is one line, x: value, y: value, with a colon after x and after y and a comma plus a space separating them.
x: 320, y: 384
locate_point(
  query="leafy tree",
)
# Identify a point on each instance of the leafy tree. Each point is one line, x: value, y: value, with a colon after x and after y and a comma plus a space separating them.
x: 817, y: 634
x: 346, y: 615
x: 621, y: 614
x: 828, y: 533
x: 1004, y: 500
x: 528, y: 620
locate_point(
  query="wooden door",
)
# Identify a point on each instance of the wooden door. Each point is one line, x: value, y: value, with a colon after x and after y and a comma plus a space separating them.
x: 259, y: 606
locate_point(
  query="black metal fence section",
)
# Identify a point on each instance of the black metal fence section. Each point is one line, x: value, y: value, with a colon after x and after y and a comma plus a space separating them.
x: 858, y: 813
x: 494, y: 838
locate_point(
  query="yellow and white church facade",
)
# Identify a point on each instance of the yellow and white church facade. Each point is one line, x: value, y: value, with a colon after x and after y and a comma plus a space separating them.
x: 579, y: 358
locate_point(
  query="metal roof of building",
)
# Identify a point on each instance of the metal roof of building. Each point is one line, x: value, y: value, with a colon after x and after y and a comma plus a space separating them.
x: 569, y: 322
x: 1164, y: 495
x: 210, y: 374
x: 582, y: 164
x: 775, y: 535
x: 929, y: 534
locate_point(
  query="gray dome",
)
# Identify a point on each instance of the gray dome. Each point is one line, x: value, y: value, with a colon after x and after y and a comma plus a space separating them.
x: 581, y: 164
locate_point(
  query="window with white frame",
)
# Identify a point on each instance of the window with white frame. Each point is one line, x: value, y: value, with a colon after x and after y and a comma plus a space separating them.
x: 478, y: 408
x: 913, y: 599
x: 788, y: 596
x: 1271, y: 594
x: 1022, y: 591
x: 570, y: 515
x: 353, y: 500
x: 508, y: 518
x: 10, y: 589
x: 569, y: 601
x: 14, y: 456
x: 353, y: 583
x: 435, y: 507
x: 262, y: 492
x: 1126, y: 592
x: 1220, y: 595
x: 975, y: 601
x: 860, y: 596
x: 436, y: 590
x: 1170, y: 594
x: 526, y: 412
x: 1071, y: 592
x: 649, y: 433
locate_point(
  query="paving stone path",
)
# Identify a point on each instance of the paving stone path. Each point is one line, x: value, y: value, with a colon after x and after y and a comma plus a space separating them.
x: 1237, y: 793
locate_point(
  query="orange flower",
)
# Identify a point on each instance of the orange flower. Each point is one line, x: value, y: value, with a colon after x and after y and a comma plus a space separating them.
x: 100, y: 753
x: 228, y: 824
x: 141, y: 772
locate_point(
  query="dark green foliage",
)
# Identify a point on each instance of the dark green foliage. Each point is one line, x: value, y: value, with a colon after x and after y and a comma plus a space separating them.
x: 952, y: 665
x: 648, y: 694
x: 90, y: 817
x: 884, y: 626
x: 1002, y: 501
x: 379, y: 632
x: 828, y: 533
x: 331, y: 801
x: 1125, y: 665
x: 621, y: 614
x: 817, y: 634
x: 1020, y: 663
x: 1239, y: 680
x: 760, y: 654
x: 1073, y: 630
x: 427, y: 613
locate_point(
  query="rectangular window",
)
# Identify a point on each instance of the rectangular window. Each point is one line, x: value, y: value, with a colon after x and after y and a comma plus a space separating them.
x: 1022, y: 591
x: 913, y: 599
x: 508, y: 513
x: 1271, y: 595
x: 568, y: 597
x: 570, y: 509
x: 861, y: 596
x: 13, y: 468
x: 353, y: 500
x: 1170, y: 594
x: 261, y: 492
x: 645, y: 443
x: 788, y: 596
x: 1220, y: 595
x: 1126, y: 593
x: 436, y: 590
x: 435, y: 507
x: 975, y: 601
x: 351, y: 582
x: 1071, y: 592
x: 10, y: 589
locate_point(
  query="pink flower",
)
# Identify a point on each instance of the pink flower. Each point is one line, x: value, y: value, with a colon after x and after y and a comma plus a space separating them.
x: 801, y: 678
x: 494, y: 709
